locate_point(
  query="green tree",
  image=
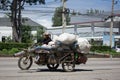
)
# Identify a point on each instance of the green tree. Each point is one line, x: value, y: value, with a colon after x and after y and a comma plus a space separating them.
x: 94, y: 11
x: 57, y: 17
x: 40, y: 32
x: 73, y: 13
x: 87, y: 12
x: 15, y: 7
x: 91, y: 11
x: 26, y: 34
x: 79, y: 13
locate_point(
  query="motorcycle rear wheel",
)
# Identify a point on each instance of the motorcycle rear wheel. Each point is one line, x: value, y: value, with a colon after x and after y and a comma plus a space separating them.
x: 68, y: 66
x: 24, y: 63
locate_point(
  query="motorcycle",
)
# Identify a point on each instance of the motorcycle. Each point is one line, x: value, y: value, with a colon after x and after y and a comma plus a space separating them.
x: 67, y: 55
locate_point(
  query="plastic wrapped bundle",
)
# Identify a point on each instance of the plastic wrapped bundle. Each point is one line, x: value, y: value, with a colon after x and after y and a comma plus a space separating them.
x: 55, y: 37
x: 83, y: 44
x: 52, y: 44
x: 66, y: 38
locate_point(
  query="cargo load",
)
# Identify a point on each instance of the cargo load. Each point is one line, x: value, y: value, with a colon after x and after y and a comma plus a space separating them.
x: 67, y: 38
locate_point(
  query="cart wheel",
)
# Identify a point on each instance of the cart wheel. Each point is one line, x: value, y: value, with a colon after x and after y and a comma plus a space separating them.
x: 52, y: 66
x: 24, y: 63
x: 68, y: 66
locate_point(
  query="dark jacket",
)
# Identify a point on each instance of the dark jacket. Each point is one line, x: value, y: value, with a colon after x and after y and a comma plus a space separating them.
x: 46, y: 40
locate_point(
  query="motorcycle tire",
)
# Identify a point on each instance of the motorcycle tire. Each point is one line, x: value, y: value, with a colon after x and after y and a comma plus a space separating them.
x: 68, y: 66
x: 24, y: 63
x: 52, y: 66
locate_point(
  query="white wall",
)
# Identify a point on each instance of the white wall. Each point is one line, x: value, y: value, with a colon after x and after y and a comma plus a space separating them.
x: 5, y: 31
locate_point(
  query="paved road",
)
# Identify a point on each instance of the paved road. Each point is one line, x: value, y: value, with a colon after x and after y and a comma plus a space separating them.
x: 94, y: 69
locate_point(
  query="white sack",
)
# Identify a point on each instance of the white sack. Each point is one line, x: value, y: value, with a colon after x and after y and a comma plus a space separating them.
x: 67, y: 38
x: 84, y: 45
x: 51, y: 43
x: 46, y: 46
x: 55, y: 37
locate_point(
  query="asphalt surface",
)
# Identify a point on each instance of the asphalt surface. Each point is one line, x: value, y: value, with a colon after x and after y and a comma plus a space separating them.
x: 94, y: 69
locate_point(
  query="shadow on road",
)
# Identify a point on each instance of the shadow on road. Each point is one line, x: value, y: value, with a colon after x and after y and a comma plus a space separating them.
x: 47, y: 70
x: 76, y: 70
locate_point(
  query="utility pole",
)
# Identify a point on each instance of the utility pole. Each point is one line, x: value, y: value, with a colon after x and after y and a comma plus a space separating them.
x: 63, y: 17
x: 111, y: 24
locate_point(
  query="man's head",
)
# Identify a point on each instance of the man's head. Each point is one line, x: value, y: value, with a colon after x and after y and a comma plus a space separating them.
x: 46, y: 34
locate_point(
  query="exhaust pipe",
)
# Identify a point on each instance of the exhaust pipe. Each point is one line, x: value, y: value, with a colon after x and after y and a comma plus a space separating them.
x: 19, y: 54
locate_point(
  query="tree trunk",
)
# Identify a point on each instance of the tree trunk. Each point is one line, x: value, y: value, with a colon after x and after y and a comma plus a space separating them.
x: 16, y: 20
x: 19, y: 21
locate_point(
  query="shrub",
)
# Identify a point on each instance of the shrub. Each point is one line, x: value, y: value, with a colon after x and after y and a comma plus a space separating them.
x: 9, y: 52
x: 9, y: 46
x: 5, y: 51
x: 100, y: 48
x: 13, y: 50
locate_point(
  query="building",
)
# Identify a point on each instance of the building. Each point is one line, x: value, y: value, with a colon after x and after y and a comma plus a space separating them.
x: 88, y: 26
x: 6, y: 29
x: 91, y: 26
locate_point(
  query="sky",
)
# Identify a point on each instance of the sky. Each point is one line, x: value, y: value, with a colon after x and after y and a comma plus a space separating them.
x: 83, y: 5
x: 77, y: 5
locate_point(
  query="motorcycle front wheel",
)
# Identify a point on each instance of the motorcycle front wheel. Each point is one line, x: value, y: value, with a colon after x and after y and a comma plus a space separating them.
x: 24, y: 63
